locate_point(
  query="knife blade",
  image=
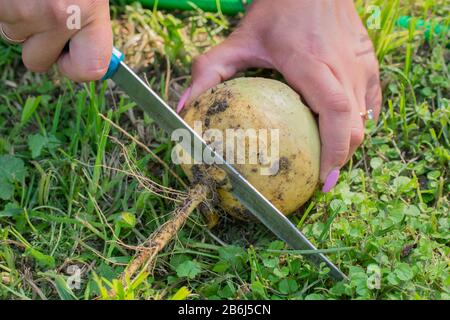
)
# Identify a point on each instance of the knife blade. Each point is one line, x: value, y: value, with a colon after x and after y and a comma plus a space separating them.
x: 249, y: 196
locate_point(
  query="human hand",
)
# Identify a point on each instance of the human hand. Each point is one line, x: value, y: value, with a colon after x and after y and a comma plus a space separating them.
x: 42, y: 25
x: 324, y: 53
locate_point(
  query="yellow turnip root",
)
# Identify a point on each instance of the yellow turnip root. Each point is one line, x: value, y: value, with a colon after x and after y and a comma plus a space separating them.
x: 256, y: 103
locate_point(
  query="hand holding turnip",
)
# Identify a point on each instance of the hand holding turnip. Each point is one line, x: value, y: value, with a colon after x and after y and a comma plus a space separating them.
x: 323, y: 51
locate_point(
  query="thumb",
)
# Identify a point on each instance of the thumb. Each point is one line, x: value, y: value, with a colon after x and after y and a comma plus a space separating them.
x: 221, y: 63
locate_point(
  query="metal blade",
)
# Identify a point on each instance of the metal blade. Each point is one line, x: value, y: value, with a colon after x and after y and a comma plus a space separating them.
x: 251, y: 198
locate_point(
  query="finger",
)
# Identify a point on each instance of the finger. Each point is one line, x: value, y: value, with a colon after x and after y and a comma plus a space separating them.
x: 335, y: 133
x: 89, y: 52
x: 223, y: 61
x: 374, y: 95
x: 372, y: 86
x: 359, y: 114
x: 368, y: 98
x: 325, y: 94
x: 43, y: 50
x: 357, y: 132
x: 15, y: 32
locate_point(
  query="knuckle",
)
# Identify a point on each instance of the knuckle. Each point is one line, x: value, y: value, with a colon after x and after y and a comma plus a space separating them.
x: 373, y: 81
x: 340, y: 154
x: 371, y: 59
x: 338, y: 102
x: 59, y: 11
x: 379, y: 97
x: 25, y: 11
x: 374, y: 97
x: 357, y: 136
x: 201, y: 61
x: 336, y: 152
x: 377, y: 103
x: 316, y: 45
x: 202, y: 64
x: 95, y: 4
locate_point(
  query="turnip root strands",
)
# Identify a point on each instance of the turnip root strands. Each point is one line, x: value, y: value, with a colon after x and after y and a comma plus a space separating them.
x: 159, y: 240
x: 187, y: 202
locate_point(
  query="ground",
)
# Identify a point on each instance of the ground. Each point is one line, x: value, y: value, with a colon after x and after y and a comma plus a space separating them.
x: 76, y: 193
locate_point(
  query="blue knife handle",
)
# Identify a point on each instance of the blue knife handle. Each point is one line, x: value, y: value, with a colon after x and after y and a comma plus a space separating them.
x: 116, y: 58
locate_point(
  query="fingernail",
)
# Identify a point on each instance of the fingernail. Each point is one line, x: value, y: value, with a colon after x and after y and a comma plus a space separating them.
x: 331, y: 180
x: 184, y: 98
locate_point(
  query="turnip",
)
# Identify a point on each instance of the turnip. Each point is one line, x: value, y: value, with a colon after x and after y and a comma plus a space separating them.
x: 258, y: 103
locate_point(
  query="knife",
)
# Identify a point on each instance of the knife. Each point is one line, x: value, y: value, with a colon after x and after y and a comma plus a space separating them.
x: 251, y: 198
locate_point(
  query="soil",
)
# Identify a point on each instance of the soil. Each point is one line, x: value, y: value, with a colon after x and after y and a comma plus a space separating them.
x: 217, y: 107
x: 284, y: 164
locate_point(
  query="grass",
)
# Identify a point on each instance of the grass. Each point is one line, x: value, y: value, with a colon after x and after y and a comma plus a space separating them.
x: 69, y: 205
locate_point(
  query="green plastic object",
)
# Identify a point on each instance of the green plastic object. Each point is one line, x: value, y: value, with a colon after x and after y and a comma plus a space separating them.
x: 438, y: 30
x: 230, y: 7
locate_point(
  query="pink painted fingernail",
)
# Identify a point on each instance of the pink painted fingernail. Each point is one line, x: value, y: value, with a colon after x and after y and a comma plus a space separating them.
x: 331, y: 180
x: 184, y: 98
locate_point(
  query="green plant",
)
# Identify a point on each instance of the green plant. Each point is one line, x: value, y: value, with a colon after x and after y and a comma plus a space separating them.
x: 67, y: 198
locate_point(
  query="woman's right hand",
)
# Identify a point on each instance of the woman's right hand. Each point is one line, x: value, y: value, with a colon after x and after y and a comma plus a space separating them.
x: 324, y: 53
x: 46, y: 26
